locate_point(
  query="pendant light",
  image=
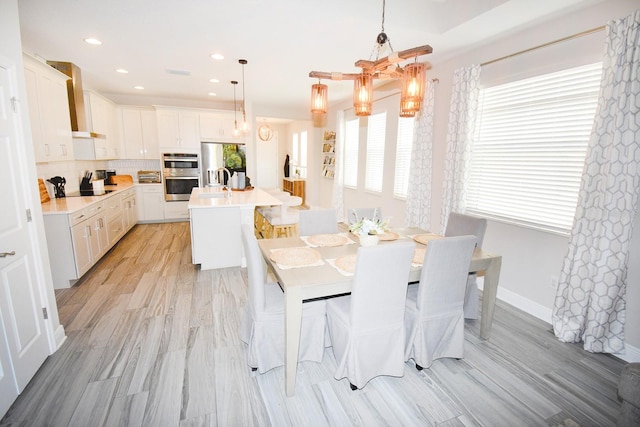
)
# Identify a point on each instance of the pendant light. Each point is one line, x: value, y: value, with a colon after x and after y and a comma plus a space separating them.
x: 363, y: 94
x: 413, y: 82
x: 244, y: 127
x: 413, y: 76
x: 236, y: 131
x: 319, y: 98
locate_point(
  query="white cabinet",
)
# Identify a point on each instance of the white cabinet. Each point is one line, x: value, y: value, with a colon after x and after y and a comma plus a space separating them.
x: 89, y: 236
x: 176, y: 210
x: 138, y: 133
x: 76, y: 241
x: 216, y: 126
x: 150, y: 199
x: 129, y: 209
x: 101, y: 120
x: 48, y: 111
x: 178, y: 129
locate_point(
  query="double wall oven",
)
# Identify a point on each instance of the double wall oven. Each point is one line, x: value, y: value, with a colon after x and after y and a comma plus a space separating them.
x: 181, y: 174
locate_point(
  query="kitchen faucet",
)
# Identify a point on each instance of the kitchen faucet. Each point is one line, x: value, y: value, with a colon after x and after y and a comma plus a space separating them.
x: 223, y: 170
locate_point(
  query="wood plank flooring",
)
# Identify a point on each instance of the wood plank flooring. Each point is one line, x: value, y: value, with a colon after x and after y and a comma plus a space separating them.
x: 153, y: 341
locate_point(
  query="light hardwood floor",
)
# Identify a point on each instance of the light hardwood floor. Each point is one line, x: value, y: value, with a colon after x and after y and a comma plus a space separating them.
x: 153, y: 341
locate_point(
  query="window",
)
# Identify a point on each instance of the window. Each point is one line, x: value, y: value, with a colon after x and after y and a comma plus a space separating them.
x: 403, y: 156
x: 351, y: 141
x: 299, y: 154
x: 374, y: 171
x: 529, y: 148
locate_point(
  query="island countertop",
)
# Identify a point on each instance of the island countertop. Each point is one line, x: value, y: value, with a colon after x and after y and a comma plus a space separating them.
x: 213, y: 197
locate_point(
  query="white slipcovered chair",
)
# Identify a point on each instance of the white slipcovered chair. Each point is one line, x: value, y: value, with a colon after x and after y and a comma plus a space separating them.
x: 463, y: 225
x: 356, y: 214
x: 262, y: 324
x: 367, y: 327
x: 434, y: 316
x: 317, y: 221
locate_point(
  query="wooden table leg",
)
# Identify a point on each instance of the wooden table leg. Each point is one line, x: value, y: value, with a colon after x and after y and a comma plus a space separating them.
x: 293, y: 321
x: 489, y: 292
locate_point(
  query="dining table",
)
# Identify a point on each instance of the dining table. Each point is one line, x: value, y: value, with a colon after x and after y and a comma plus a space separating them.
x: 324, y: 279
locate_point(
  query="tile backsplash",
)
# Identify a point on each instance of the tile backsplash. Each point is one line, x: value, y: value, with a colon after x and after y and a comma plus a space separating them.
x: 74, y: 170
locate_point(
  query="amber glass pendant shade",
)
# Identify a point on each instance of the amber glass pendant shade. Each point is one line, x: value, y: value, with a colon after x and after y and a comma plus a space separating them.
x: 413, y: 82
x: 319, y: 94
x: 363, y: 94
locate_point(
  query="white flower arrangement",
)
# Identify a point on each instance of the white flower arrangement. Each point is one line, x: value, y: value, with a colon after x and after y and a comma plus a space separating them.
x: 366, y: 226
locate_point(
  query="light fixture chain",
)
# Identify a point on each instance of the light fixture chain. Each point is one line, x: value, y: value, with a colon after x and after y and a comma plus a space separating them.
x: 383, y: 7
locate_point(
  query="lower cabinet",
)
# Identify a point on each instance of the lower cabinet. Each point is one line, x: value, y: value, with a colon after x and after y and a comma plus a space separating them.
x: 78, y: 240
x: 176, y: 210
x: 150, y: 201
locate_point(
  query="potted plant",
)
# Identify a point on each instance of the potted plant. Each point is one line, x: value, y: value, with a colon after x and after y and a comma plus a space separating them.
x: 368, y: 230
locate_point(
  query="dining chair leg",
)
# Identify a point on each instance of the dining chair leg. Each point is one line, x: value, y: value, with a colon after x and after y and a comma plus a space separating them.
x: 353, y: 388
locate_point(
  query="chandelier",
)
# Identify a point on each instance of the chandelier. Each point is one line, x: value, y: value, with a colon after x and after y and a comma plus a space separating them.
x: 412, y: 76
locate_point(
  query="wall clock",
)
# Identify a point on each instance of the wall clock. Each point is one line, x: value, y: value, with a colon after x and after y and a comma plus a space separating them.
x: 265, y: 133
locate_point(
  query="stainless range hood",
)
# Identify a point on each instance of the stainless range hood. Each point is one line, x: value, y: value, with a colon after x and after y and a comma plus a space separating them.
x: 77, y: 110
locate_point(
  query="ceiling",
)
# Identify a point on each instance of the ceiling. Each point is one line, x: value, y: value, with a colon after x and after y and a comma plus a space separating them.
x: 166, y: 45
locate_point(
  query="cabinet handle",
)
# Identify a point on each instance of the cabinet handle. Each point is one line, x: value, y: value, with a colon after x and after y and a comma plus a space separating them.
x: 46, y: 150
x: 4, y: 254
x: 63, y: 148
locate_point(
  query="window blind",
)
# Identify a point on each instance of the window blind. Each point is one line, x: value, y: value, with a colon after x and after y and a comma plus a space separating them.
x: 351, y: 141
x: 403, y: 156
x: 374, y: 171
x: 529, y: 147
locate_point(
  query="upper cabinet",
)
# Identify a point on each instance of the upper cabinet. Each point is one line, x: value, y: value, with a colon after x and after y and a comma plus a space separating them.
x: 48, y: 111
x: 138, y: 133
x: 216, y: 126
x: 101, y: 120
x: 178, y: 129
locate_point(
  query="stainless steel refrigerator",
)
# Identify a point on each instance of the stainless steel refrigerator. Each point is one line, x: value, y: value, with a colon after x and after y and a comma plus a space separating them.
x: 216, y: 157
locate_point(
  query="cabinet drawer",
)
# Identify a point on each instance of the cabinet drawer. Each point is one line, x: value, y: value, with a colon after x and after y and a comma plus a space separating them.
x: 86, y: 213
x: 114, y: 206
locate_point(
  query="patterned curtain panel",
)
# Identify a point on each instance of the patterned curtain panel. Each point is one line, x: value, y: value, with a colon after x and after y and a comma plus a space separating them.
x: 462, y: 118
x: 590, y: 302
x: 418, y: 205
x: 338, y: 184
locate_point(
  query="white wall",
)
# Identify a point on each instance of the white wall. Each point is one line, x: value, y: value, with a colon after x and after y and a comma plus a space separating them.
x: 530, y: 258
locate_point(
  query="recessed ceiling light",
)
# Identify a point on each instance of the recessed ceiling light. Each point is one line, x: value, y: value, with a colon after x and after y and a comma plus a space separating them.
x: 139, y: 87
x: 122, y: 71
x: 214, y: 80
x: 218, y: 56
x: 212, y: 94
x: 92, y: 40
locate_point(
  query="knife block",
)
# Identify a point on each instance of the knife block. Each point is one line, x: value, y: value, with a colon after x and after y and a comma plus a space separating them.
x: 85, y: 184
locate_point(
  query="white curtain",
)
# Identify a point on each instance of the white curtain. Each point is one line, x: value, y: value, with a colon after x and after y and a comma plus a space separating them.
x: 418, y: 205
x: 462, y: 118
x: 338, y: 183
x: 590, y: 302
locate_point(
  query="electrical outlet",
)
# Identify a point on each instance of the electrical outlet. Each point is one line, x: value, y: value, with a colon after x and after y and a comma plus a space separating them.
x: 553, y: 283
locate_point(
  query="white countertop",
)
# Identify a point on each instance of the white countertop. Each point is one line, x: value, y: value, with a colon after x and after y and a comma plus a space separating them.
x: 67, y: 205
x: 203, y: 198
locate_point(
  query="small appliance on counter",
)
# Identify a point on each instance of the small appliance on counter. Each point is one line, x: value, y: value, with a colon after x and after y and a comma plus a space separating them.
x: 149, y: 177
x: 58, y: 185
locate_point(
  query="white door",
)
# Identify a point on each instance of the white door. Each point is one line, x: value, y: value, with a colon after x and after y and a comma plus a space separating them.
x: 21, y: 319
x: 268, y: 165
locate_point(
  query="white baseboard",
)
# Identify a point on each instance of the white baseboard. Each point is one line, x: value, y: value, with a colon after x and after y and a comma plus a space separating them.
x: 632, y: 354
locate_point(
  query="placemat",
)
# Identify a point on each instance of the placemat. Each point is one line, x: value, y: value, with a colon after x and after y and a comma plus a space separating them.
x: 320, y: 240
x: 346, y: 265
x: 418, y: 257
x: 388, y: 236
x: 296, y: 257
x: 424, y: 238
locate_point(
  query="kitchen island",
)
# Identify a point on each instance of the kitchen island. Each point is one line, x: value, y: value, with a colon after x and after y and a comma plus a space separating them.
x: 216, y: 217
